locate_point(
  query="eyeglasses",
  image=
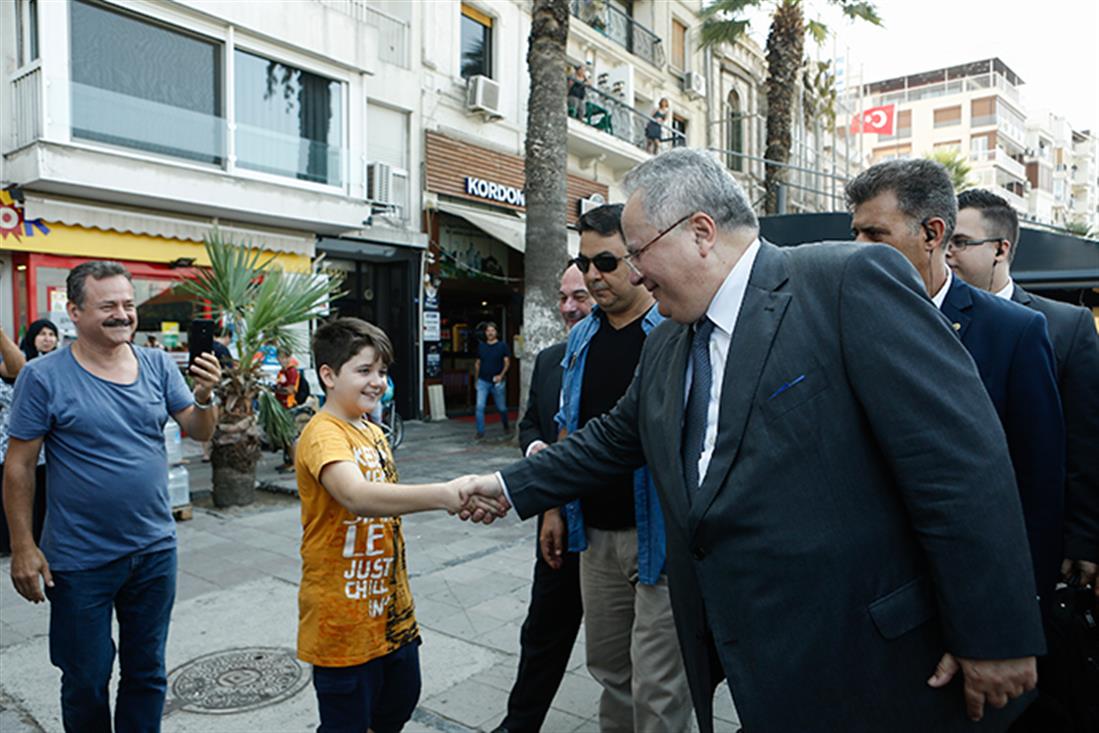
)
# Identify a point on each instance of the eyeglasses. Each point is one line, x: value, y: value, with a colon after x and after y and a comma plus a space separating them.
x: 632, y: 257
x: 958, y: 243
x: 604, y: 262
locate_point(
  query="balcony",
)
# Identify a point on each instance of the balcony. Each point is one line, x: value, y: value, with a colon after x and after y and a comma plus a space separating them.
x: 620, y: 28
x: 1000, y: 159
x: 393, y: 33
x: 604, y: 128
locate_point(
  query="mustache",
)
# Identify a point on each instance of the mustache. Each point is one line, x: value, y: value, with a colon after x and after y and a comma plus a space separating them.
x: 112, y: 322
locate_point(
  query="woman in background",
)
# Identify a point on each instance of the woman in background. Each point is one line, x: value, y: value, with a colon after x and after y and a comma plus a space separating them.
x: 41, y: 338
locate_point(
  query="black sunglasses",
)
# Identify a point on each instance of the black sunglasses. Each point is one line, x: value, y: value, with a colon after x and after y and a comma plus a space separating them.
x: 604, y: 262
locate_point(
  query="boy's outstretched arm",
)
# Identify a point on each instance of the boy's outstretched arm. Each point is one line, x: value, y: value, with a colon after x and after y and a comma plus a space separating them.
x: 345, y: 482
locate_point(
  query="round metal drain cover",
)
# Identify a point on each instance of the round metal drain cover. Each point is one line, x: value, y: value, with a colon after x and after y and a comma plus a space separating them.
x: 236, y: 680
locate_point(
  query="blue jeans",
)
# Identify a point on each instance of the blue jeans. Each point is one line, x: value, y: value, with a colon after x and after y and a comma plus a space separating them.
x: 498, y: 396
x: 140, y: 589
x: 379, y: 695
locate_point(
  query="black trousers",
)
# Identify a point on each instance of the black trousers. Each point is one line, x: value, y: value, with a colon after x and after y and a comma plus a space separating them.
x: 39, y: 508
x: 546, y: 641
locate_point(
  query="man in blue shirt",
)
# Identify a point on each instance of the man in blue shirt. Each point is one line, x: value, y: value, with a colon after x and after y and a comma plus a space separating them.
x: 109, y: 542
x: 493, y: 360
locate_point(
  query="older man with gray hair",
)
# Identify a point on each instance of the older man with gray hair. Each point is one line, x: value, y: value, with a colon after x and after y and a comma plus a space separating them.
x: 836, y: 521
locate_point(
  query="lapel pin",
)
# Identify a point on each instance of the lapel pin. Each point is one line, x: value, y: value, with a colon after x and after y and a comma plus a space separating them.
x: 957, y: 327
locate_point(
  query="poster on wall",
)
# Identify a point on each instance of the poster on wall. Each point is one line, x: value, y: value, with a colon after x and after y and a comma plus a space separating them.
x: 432, y: 329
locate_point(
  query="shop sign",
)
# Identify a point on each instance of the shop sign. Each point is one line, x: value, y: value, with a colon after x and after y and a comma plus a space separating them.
x: 13, y: 222
x: 495, y: 191
x: 432, y: 330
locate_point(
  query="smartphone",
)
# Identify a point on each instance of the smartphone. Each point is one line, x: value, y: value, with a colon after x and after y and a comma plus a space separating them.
x: 200, y: 339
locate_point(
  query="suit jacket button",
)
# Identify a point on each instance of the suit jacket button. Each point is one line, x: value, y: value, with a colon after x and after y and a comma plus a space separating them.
x: 699, y: 552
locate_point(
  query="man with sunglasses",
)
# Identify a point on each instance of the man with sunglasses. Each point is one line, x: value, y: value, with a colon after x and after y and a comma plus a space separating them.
x: 839, y: 501
x: 630, y: 639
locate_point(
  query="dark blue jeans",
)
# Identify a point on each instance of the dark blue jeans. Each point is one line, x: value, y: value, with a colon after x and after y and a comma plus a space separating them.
x: 379, y: 695
x: 140, y: 589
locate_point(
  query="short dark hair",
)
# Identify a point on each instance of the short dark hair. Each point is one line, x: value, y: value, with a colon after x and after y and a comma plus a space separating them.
x: 96, y: 270
x: 998, y: 215
x: 605, y: 220
x: 336, y: 342
x: 922, y: 187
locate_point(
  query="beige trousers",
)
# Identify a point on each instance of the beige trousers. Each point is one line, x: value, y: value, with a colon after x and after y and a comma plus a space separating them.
x: 632, y: 648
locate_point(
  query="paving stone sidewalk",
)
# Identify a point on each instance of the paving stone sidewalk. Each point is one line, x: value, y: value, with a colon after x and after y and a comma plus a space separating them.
x: 237, y: 590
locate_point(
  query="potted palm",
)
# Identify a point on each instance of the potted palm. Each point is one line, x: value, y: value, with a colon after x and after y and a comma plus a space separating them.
x: 247, y: 289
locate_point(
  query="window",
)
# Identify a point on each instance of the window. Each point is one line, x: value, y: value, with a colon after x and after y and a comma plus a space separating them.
x: 948, y: 116
x: 140, y: 85
x: 387, y: 142
x: 734, y: 141
x: 978, y: 147
x: 679, y: 46
x: 954, y: 145
x: 679, y: 135
x: 982, y: 112
x: 289, y: 121
x: 476, y: 43
x: 26, y: 31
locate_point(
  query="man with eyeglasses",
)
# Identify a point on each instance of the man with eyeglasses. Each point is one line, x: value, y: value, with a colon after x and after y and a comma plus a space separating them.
x: 631, y: 646
x: 842, y: 524
x: 983, y: 249
x: 910, y: 205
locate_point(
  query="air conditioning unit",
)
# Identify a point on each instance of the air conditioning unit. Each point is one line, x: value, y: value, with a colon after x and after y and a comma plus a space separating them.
x: 694, y: 84
x: 591, y: 202
x: 483, y: 95
x: 379, y: 183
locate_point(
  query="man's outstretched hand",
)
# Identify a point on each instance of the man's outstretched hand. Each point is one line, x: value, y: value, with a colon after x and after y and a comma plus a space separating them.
x: 991, y: 681
x: 483, y: 499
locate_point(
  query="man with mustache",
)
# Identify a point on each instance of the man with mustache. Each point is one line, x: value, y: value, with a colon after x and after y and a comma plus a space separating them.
x: 109, y: 547
x: 553, y: 618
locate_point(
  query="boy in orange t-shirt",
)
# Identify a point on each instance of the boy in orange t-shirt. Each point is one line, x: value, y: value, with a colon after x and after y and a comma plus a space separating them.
x: 356, y: 622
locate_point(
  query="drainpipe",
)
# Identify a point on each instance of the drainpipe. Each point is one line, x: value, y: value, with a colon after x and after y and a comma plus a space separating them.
x: 707, y: 56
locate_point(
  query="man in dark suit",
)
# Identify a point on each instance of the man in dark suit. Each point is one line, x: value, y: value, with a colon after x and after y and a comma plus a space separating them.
x: 555, y: 612
x: 910, y: 205
x: 840, y: 526
x: 984, y: 246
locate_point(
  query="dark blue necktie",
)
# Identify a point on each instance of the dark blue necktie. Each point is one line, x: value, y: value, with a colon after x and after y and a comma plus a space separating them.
x: 698, y: 402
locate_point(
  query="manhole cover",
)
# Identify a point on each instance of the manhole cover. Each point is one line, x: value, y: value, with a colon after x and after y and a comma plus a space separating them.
x: 235, y: 681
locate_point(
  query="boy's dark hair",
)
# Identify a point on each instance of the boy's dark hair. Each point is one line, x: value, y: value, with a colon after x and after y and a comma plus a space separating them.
x: 604, y: 220
x: 999, y: 216
x: 337, y: 341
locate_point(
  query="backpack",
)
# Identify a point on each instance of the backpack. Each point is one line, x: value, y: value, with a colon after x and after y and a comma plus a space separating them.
x: 302, y: 393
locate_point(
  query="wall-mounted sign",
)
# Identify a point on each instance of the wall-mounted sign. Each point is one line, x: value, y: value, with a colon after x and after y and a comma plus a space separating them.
x: 432, y: 330
x: 495, y: 191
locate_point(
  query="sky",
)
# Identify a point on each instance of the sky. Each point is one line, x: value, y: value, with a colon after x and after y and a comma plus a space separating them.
x: 1053, y: 45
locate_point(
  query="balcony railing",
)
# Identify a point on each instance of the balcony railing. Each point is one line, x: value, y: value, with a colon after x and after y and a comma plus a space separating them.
x: 613, y: 116
x: 393, y: 32
x: 27, y: 97
x: 1000, y: 158
x: 620, y: 28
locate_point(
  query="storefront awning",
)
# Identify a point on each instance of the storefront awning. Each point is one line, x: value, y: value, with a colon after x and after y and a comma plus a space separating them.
x: 511, y: 229
x: 136, y: 221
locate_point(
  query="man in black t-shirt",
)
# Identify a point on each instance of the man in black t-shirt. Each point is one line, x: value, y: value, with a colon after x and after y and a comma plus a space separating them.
x: 491, y: 367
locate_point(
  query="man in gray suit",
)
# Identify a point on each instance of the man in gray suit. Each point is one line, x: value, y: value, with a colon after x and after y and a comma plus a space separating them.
x: 843, y: 532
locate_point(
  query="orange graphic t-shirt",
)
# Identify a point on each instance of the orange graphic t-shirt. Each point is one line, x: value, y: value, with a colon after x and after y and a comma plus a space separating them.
x: 354, y: 603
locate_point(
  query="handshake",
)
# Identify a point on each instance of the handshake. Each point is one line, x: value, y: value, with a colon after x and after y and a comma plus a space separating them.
x: 476, y: 498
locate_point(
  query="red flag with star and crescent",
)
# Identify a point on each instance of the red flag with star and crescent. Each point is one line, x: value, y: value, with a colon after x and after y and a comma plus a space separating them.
x: 877, y: 120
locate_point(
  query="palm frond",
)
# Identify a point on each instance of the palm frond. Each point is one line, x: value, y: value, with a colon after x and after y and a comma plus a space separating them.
x: 818, y: 30
x: 861, y: 10
x: 731, y: 8
x: 276, y: 420
x: 717, y: 32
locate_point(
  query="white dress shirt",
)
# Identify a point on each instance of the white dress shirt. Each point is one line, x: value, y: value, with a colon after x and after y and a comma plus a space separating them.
x: 940, y: 297
x: 723, y: 311
x: 1007, y: 291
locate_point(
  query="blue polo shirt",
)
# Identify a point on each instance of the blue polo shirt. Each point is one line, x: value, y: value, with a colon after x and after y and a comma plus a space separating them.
x: 492, y: 359
x: 106, y: 463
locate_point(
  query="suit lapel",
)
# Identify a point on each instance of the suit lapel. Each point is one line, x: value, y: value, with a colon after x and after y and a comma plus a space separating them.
x: 756, y: 326
x: 958, y: 302
x: 1021, y: 296
x: 678, y: 350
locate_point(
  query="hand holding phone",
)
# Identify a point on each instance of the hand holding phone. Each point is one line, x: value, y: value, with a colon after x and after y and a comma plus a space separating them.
x: 200, y: 339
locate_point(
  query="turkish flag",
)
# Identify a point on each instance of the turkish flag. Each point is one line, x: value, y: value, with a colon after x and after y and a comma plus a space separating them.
x: 878, y: 120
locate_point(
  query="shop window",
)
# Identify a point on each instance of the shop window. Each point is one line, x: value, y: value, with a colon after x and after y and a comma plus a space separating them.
x: 142, y: 85
x: 289, y: 122
x: 26, y: 31
x: 476, y: 43
x: 679, y: 46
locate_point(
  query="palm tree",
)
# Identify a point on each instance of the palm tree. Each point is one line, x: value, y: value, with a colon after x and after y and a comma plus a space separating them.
x: 956, y: 165
x: 247, y: 290
x: 546, y: 158
x: 723, y: 22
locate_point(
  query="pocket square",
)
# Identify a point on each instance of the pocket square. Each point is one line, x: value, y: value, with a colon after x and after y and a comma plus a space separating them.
x: 786, y: 386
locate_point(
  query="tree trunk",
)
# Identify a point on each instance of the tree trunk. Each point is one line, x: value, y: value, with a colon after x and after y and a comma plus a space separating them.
x: 785, y: 48
x: 546, y: 159
x: 234, y: 456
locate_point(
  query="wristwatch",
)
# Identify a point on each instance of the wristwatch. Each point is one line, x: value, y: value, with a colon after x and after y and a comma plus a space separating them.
x: 206, y: 405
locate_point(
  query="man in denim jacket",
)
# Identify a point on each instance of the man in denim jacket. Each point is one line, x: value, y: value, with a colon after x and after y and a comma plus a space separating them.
x: 632, y: 649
